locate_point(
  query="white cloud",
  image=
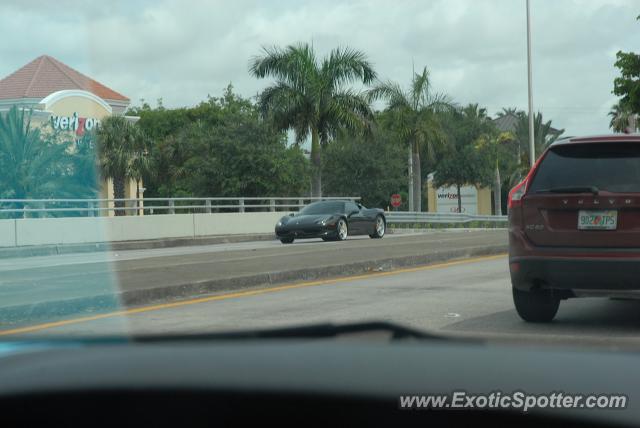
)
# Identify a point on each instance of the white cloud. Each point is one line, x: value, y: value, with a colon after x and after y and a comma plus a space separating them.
x: 183, y: 50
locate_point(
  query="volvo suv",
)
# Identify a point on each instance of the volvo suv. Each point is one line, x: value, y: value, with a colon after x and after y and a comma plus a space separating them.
x: 574, y: 225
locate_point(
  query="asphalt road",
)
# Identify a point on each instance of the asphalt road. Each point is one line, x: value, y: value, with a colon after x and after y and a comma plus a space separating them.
x: 462, y: 298
x: 142, y: 276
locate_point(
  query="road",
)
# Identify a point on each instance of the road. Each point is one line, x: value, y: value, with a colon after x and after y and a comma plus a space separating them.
x: 141, y: 276
x: 464, y: 298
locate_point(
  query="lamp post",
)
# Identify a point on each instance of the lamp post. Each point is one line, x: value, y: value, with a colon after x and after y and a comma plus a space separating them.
x: 532, y: 148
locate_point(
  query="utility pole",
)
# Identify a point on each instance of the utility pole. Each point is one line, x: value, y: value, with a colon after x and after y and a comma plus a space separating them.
x: 532, y: 147
x: 411, y: 205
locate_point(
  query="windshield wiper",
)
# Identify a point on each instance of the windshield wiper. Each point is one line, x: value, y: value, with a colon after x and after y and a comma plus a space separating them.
x: 316, y: 331
x: 571, y: 189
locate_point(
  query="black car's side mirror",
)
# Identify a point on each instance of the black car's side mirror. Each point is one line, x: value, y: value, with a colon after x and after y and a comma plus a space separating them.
x: 291, y: 214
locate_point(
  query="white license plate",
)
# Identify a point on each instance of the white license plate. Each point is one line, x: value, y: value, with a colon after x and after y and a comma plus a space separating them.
x: 597, y: 220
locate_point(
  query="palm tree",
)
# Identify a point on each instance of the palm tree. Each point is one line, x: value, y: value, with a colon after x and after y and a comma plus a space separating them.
x: 121, y: 154
x: 33, y: 165
x: 544, y: 135
x: 417, y: 117
x: 312, y: 97
x: 508, y: 111
x: 622, y: 119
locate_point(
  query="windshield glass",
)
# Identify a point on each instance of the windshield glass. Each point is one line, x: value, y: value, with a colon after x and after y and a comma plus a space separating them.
x: 174, y: 167
x: 323, y: 208
x: 610, y: 167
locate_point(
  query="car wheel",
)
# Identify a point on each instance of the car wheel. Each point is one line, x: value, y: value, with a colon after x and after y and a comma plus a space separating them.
x: 342, y: 229
x: 380, y: 228
x: 536, y: 305
x: 286, y: 240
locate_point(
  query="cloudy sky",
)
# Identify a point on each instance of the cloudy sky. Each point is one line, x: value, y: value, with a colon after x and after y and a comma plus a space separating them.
x: 181, y: 50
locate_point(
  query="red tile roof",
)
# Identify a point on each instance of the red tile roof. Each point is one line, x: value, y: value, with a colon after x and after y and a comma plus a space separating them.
x: 46, y: 75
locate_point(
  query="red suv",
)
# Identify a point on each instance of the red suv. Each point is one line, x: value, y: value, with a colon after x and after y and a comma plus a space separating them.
x: 574, y: 225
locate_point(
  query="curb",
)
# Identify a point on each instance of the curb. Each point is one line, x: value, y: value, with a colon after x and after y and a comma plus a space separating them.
x: 51, y: 250
x: 102, y: 303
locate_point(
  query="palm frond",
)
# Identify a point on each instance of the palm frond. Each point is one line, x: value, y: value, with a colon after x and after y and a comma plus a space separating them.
x: 345, y: 65
x: 295, y: 64
x: 391, y: 92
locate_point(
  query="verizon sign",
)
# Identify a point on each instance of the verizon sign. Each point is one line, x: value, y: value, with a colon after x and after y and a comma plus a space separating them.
x: 447, y: 199
x: 74, y: 123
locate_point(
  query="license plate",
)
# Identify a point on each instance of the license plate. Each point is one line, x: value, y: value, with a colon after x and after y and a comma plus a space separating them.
x: 597, y: 220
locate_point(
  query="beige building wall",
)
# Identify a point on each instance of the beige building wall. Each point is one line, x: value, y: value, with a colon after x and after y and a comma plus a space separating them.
x: 87, y: 107
x: 484, y: 201
x: 431, y: 197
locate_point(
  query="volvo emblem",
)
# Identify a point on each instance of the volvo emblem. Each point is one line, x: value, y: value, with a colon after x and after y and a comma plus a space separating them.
x: 565, y: 201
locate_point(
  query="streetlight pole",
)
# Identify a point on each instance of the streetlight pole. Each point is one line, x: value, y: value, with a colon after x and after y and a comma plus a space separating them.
x: 532, y: 148
x: 411, y: 178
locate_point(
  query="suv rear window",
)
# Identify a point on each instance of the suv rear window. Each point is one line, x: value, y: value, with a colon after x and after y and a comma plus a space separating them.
x: 614, y: 167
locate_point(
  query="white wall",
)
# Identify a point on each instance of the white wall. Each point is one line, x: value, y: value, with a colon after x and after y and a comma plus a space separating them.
x: 7, y: 233
x: 82, y: 230
x: 134, y: 228
x: 222, y: 223
x: 69, y: 230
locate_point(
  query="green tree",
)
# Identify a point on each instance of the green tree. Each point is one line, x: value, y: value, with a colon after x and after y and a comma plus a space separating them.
x: 622, y: 119
x: 223, y: 147
x: 465, y: 163
x: 416, y: 119
x: 544, y: 135
x: 121, y: 154
x: 494, y: 145
x: 33, y: 165
x: 313, y: 97
x: 372, y: 167
x: 627, y: 85
x: 507, y: 111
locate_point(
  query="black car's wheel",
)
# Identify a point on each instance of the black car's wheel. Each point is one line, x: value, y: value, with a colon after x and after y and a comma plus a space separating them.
x: 286, y: 240
x: 536, y: 305
x: 342, y: 229
x: 380, y: 228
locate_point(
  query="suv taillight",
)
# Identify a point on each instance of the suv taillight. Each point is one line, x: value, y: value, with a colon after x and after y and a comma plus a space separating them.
x: 516, y: 194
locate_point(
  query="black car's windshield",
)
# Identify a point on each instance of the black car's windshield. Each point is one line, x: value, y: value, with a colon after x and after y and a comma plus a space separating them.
x: 588, y: 168
x: 323, y: 208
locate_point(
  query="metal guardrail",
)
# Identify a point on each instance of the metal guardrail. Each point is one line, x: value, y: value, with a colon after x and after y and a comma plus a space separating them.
x: 93, y: 207
x: 426, y: 217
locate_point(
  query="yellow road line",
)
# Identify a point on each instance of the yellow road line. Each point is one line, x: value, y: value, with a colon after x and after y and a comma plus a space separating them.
x: 142, y: 309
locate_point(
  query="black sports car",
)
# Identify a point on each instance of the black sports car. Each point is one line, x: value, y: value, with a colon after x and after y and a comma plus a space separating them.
x: 332, y: 221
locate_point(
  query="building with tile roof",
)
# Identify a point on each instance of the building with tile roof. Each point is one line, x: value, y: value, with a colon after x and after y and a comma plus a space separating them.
x: 44, y: 76
x: 64, y: 100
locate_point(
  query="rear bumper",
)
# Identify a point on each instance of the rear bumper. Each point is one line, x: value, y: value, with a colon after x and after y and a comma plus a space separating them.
x: 575, y: 273
x: 572, y: 268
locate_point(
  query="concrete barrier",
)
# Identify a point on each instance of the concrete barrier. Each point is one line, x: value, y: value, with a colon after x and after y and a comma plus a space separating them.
x: 68, y: 230
x: 221, y: 224
x: 136, y: 228
x: 86, y: 230
x: 7, y: 233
